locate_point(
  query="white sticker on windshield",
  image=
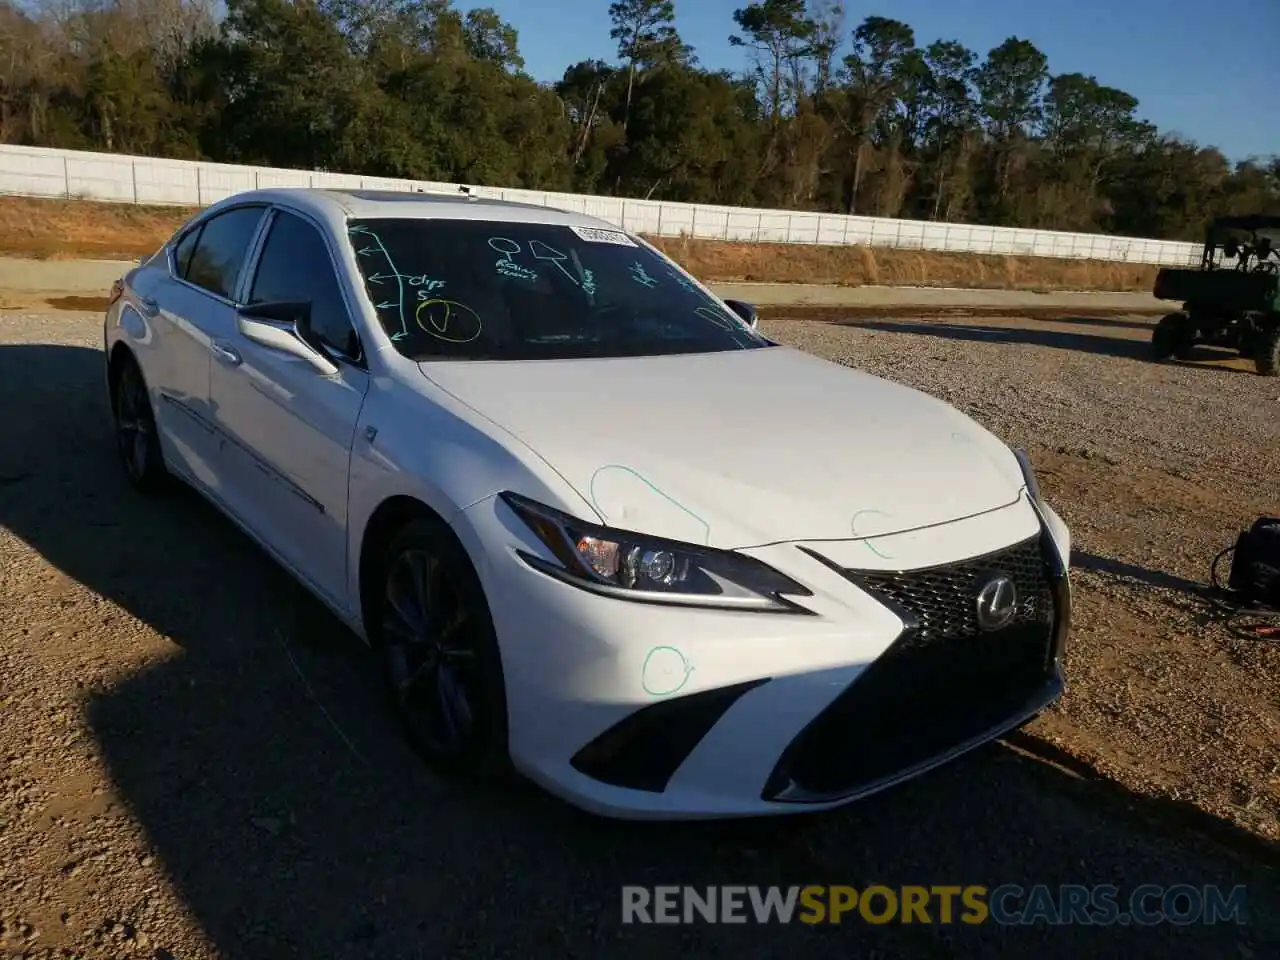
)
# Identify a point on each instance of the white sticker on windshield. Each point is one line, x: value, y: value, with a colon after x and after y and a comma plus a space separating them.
x: 597, y: 235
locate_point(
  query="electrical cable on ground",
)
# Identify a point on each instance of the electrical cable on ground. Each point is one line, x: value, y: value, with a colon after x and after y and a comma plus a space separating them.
x: 1246, y: 619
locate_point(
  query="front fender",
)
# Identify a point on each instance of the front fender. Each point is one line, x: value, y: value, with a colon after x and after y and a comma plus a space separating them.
x: 439, y: 452
x: 1059, y: 531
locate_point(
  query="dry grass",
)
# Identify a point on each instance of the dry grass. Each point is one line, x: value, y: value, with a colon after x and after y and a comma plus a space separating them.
x: 862, y: 266
x: 66, y: 229
x: 71, y: 229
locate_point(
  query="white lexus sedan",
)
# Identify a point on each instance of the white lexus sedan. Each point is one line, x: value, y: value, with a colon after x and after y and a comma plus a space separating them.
x: 597, y: 526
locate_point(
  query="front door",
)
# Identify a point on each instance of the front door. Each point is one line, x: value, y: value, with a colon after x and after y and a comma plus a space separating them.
x: 289, y: 428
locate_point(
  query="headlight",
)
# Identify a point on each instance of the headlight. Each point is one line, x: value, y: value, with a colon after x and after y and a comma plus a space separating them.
x: 634, y: 566
x: 1028, y: 475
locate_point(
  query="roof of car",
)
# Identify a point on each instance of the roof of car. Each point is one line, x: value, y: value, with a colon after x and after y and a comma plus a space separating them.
x: 361, y: 204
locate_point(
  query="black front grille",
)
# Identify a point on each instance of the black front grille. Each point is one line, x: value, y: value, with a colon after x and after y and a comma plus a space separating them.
x: 941, y: 602
x: 942, y: 683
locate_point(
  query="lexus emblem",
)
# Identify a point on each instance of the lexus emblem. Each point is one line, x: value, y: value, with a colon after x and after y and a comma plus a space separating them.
x: 997, y: 603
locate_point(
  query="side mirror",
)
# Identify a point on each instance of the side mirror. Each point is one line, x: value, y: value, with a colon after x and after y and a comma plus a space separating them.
x: 747, y: 311
x: 285, y: 325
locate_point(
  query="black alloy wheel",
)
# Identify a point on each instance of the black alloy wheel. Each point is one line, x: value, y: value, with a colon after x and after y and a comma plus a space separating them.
x: 137, y: 439
x: 440, y: 652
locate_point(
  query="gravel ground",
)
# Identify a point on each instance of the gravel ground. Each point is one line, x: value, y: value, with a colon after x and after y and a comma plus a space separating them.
x: 935, y: 298
x: 1155, y: 468
x: 194, y: 762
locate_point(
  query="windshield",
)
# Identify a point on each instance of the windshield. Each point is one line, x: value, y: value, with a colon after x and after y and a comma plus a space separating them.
x: 1249, y: 251
x: 496, y: 290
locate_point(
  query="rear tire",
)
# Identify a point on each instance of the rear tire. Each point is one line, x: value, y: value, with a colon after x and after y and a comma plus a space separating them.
x: 1267, y: 359
x: 1174, y: 336
x: 443, y: 672
x: 137, y: 436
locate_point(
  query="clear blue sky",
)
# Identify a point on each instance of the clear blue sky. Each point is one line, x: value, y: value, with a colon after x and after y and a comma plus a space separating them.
x: 1208, y: 71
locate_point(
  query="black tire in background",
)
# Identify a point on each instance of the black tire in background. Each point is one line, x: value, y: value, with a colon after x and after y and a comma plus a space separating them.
x: 1267, y: 359
x: 137, y: 438
x: 440, y: 653
x: 1173, y: 337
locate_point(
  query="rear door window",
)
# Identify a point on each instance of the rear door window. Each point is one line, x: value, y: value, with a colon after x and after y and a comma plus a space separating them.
x: 221, y: 250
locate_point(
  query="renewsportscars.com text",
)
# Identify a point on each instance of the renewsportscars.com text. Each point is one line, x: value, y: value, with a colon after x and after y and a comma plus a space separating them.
x: 1007, y: 904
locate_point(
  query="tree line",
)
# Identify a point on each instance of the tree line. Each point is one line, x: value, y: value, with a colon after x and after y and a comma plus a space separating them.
x: 863, y: 118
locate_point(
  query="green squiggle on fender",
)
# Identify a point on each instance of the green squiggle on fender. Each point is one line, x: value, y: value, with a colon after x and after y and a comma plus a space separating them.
x: 853, y: 524
x: 591, y: 490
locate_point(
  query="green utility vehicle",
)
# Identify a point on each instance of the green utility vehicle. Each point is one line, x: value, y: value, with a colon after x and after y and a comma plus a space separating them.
x: 1232, y: 300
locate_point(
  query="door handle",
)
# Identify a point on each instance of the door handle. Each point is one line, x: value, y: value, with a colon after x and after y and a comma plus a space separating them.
x: 225, y: 354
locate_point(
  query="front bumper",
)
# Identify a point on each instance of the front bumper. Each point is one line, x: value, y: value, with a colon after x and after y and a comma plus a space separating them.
x: 652, y: 712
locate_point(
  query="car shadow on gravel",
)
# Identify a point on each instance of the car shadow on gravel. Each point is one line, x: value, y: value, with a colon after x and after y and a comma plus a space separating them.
x: 1120, y: 323
x: 1123, y: 348
x: 1109, y: 317
x: 1139, y: 574
x: 1083, y: 342
x: 274, y: 788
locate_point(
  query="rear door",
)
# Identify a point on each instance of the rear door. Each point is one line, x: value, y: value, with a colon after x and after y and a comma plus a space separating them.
x: 289, y: 427
x: 189, y: 302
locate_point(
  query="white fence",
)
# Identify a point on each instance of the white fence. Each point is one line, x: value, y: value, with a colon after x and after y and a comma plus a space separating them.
x: 40, y: 172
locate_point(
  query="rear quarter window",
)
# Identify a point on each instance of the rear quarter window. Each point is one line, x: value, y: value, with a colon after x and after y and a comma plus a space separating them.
x: 183, y: 250
x: 221, y: 250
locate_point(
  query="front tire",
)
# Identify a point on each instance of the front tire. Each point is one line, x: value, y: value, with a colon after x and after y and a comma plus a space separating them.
x: 1267, y: 359
x: 137, y: 437
x: 1174, y: 336
x: 440, y: 652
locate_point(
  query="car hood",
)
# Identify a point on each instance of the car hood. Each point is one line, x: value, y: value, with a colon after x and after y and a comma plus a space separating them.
x: 743, y: 448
